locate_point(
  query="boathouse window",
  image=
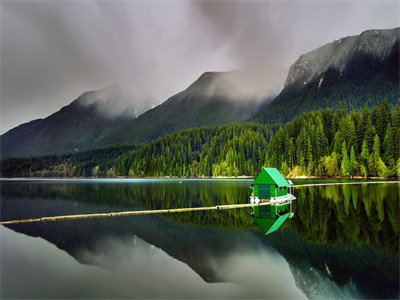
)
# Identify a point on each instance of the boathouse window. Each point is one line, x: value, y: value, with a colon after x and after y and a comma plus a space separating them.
x: 264, y: 191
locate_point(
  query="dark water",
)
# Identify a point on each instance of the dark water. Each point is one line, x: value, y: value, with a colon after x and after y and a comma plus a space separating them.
x: 342, y: 242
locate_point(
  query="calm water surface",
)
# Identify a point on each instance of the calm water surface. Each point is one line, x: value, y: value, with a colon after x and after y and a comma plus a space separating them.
x: 342, y: 242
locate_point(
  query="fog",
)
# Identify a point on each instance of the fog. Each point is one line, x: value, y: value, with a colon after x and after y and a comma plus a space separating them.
x: 52, y: 51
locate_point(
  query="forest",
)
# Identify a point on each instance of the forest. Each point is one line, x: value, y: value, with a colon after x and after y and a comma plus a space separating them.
x: 94, y: 163
x: 319, y: 143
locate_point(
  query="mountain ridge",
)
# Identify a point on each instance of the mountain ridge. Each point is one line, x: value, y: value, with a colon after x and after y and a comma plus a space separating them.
x: 337, y: 54
x: 68, y: 130
x: 364, y: 71
x: 205, y: 102
x: 363, y: 81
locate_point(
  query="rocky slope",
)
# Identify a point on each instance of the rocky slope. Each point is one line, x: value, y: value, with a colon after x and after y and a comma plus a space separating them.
x: 338, y: 54
x: 351, y: 73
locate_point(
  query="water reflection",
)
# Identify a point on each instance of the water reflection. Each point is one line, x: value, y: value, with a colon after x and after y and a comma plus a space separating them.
x: 365, y: 214
x: 141, y: 270
x: 342, y: 242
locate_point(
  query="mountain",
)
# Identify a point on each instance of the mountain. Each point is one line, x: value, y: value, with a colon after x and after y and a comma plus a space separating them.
x: 96, y: 120
x: 213, y: 99
x: 73, y: 128
x: 351, y: 73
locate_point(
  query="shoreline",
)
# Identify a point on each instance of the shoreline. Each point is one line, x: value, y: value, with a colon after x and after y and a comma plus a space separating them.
x: 200, y: 177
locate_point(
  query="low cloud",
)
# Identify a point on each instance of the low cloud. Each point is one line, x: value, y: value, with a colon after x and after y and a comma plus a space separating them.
x: 52, y: 51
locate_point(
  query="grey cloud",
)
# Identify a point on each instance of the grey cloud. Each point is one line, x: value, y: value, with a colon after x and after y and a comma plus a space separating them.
x: 52, y: 51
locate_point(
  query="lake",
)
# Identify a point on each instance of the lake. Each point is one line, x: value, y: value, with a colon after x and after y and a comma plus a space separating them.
x: 343, y: 241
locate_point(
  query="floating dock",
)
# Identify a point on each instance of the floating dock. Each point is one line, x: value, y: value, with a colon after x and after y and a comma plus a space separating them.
x: 143, y: 212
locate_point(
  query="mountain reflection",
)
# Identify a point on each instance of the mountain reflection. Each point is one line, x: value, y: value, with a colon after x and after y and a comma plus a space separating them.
x: 343, y: 240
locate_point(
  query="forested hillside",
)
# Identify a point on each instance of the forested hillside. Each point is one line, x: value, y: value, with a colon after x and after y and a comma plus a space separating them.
x: 320, y: 143
x: 74, y: 128
x: 365, y: 82
x: 330, y: 144
x: 229, y: 150
x: 107, y: 162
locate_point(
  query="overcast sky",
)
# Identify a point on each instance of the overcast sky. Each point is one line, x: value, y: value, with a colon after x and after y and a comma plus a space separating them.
x: 52, y: 51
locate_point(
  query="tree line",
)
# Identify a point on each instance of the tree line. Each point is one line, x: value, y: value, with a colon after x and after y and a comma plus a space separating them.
x: 104, y: 162
x: 318, y: 143
x: 323, y: 143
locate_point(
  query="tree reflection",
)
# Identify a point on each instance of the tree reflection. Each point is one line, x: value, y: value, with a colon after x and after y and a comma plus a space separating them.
x: 334, y: 230
x: 365, y: 214
x: 349, y: 213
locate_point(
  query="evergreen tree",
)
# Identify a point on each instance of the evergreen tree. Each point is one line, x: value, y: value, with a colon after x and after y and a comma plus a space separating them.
x: 370, y: 133
x: 379, y: 165
x: 376, y: 148
x: 364, y: 153
x: 345, y: 166
x: 309, y: 158
x: 388, y: 145
x: 395, y: 125
x: 353, y: 166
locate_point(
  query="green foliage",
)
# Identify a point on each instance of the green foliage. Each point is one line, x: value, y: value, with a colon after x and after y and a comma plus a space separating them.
x: 316, y: 143
x: 398, y: 168
x: 345, y: 166
x: 106, y: 162
x: 353, y: 167
x: 320, y: 136
x: 228, y: 150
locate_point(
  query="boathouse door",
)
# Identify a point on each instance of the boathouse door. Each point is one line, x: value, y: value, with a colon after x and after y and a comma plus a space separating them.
x: 263, y: 191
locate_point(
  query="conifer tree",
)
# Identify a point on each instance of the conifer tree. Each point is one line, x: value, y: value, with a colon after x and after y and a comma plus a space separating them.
x: 353, y: 162
x: 370, y: 132
x: 376, y: 148
x: 395, y: 125
x: 344, y: 168
x: 388, y: 148
x: 379, y: 165
x: 364, y: 153
x: 398, y: 168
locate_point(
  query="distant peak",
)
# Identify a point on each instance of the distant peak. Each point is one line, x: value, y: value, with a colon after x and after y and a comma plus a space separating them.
x: 109, y: 92
x: 375, y: 42
x: 208, y: 78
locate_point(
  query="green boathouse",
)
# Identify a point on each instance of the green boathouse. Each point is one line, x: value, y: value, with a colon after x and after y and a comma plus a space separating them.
x: 270, y: 186
x: 269, y: 183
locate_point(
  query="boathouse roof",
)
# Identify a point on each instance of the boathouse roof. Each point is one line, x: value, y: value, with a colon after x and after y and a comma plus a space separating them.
x: 268, y: 174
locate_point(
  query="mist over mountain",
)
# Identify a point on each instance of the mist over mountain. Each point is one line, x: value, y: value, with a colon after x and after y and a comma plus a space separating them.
x: 114, y: 102
x: 350, y: 73
x: 215, y: 98
x: 74, y: 127
x: 107, y: 117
